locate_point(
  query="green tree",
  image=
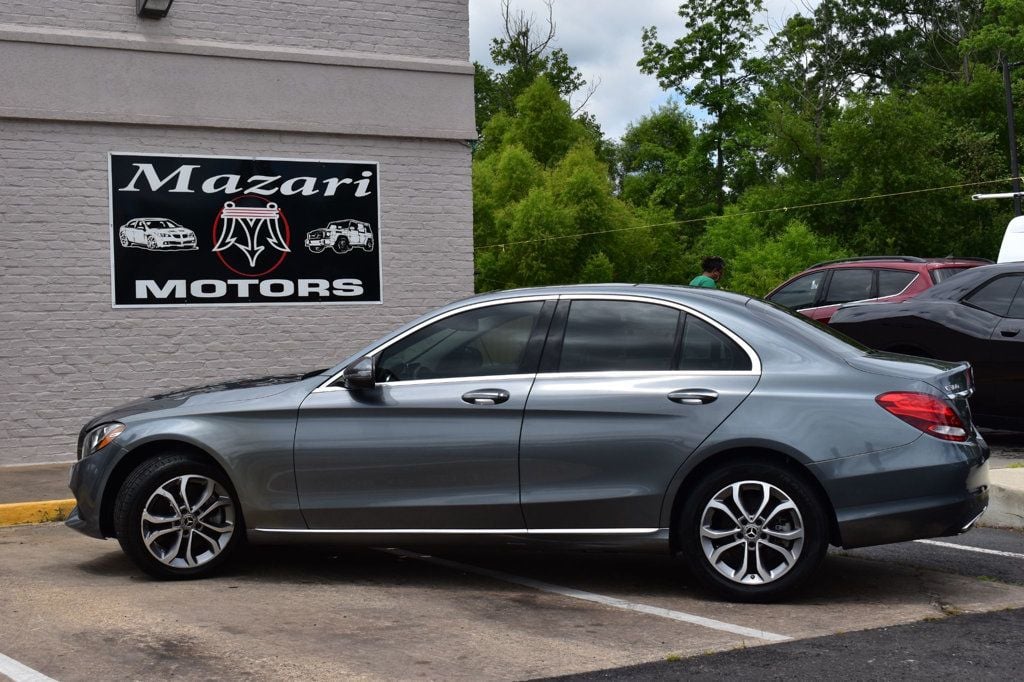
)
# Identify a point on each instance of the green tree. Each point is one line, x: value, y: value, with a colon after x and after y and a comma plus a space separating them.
x: 757, y: 261
x: 660, y: 163
x: 522, y: 54
x: 709, y: 67
x: 544, y: 207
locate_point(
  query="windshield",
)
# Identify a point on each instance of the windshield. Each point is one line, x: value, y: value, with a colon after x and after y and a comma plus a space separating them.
x: 835, y: 341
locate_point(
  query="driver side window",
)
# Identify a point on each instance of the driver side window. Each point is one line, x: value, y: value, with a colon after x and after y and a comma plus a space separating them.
x: 481, y: 342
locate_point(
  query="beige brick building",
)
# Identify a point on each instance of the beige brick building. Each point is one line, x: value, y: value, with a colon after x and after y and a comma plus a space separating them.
x: 387, y: 81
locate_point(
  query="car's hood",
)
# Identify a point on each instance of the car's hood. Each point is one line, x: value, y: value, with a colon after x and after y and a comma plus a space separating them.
x: 224, y: 392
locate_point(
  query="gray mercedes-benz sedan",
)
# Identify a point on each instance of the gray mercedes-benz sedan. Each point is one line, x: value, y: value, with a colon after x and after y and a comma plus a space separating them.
x: 739, y: 435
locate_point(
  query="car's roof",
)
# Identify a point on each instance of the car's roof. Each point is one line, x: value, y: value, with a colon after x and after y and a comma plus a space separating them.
x: 893, y: 264
x: 680, y: 293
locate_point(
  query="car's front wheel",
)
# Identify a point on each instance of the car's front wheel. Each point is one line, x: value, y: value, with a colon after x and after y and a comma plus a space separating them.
x: 752, y: 531
x: 124, y: 239
x: 341, y: 245
x: 178, y: 517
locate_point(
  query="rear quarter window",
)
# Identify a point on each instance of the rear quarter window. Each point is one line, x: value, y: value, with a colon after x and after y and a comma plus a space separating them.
x: 942, y: 274
x: 892, y: 282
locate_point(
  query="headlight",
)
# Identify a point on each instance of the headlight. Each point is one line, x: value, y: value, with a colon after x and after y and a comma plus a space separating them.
x: 100, y: 437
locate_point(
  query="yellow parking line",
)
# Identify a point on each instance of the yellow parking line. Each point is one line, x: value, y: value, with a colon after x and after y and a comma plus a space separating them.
x: 35, y: 512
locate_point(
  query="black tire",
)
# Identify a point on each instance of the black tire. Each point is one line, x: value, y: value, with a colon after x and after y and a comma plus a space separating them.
x: 317, y: 249
x: 368, y: 246
x: 783, y: 482
x: 151, y: 243
x: 124, y: 240
x: 342, y: 245
x: 140, y: 489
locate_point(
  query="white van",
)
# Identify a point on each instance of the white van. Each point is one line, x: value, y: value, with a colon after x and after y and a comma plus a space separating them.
x: 1012, y: 249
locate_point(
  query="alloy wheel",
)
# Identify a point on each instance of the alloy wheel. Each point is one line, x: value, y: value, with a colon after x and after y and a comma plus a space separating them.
x: 751, y: 532
x: 187, y: 521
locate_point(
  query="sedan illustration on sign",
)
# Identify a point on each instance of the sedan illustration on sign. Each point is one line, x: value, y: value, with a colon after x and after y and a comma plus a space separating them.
x: 156, y: 234
x: 342, y: 236
x: 976, y: 316
x: 725, y: 429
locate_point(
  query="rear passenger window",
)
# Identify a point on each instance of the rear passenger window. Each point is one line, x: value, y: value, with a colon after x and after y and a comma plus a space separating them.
x: 892, y: 282
x: 706, y: 348
x: 849, y: 285
x: 619, y: 336
x: 996, y: 296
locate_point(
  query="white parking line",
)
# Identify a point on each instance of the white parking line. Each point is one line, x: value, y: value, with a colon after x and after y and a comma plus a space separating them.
x: 969, y: 548
x: 21, y: 673
x: 592, y: 597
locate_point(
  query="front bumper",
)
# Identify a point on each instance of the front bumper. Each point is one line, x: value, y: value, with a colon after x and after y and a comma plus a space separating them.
x: 928, y: 488
x: 318, y: 242
x: 88, y: 477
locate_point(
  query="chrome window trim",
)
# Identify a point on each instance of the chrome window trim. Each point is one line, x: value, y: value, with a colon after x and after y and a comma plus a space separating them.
x: 429, y: 382
x: 472, y: 306
x: 461, y: 531
x: 755, y: 360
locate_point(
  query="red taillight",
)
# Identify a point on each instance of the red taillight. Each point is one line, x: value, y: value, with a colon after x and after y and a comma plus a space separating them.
x: 925, y: 412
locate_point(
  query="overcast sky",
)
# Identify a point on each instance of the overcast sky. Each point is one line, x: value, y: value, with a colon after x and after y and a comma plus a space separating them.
x: 602, y: 39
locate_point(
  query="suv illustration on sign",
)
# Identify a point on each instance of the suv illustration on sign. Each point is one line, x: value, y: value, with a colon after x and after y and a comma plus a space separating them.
x: 156, y: 234
x: 342, y: 236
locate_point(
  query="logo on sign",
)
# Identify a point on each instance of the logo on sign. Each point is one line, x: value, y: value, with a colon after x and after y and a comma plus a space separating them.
x: 249, y: 240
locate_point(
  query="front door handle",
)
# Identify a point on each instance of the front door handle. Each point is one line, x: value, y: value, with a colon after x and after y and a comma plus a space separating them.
x: 693, y: 396
x: 1009, y: 332
x: 486, y: 396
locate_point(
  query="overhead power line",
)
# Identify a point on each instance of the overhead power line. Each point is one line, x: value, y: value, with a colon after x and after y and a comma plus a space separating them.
x: 780, y: 209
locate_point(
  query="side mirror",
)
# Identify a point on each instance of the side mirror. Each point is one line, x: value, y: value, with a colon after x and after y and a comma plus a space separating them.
x: 360, y: 374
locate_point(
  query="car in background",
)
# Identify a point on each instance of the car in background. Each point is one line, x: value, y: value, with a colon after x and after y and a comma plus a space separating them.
x: 156, y: 234
x: 717, y: 426
x: 977, y: 316
x: 819, y: 291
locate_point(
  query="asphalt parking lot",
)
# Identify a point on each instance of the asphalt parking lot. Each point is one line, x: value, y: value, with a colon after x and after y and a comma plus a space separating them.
x: 76, y: 609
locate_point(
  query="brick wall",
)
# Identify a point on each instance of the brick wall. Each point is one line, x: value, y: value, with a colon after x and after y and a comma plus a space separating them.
x: 65, y: 354
x: 415, y: 28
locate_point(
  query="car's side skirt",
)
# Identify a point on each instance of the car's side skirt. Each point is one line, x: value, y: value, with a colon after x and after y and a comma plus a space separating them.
x: 633, y: 539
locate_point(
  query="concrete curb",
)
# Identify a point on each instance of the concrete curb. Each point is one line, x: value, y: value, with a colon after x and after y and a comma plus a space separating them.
x: 1006, y: 499
x: 35, y: 512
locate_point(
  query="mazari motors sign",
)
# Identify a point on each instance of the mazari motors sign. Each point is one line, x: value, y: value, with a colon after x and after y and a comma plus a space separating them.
x: 203, y: 230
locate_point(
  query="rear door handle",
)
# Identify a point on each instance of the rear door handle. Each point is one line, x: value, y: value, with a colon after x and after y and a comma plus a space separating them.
x: 486, y: 396
x: 1009, y: 332
x: 693, y: 396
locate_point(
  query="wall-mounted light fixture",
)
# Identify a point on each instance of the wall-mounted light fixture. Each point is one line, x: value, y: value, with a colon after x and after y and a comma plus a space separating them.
x: 153, y: 9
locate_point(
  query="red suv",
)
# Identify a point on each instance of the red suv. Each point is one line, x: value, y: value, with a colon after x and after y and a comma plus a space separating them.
x: 818, y: 291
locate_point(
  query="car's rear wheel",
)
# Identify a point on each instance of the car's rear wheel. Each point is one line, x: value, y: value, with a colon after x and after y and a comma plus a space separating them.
x: 124, y: 239
x: 178, y: 517
x: 341, y: 245
x: 752, y: 531
x: 368, y: 246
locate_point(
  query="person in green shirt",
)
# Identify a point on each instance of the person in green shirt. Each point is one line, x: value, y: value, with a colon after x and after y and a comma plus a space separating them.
x: 713, y: 267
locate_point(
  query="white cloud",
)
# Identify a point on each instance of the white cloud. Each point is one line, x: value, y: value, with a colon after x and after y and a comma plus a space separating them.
x: 602, y: 39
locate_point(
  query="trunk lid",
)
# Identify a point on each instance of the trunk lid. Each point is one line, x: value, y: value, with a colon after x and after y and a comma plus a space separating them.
x: 954, y: 379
